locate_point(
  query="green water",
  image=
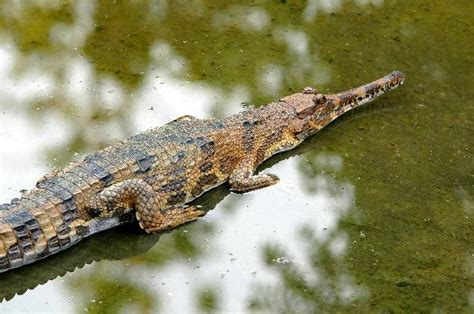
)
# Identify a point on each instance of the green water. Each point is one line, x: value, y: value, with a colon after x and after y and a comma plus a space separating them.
x: 372, y: 214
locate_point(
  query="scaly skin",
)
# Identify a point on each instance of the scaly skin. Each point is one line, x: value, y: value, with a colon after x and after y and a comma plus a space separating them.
x: 157, y: 172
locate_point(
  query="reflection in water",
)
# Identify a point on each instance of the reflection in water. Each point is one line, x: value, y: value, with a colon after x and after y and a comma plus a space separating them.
x: 103, y: 295
x: 323, y: 284
x: 92, y: 249
x: 375, y: 212
x: 246, y: 19
x: 121, y: 243
x: 208, y: 299
x: 313, y: 275
x: 232, y: 263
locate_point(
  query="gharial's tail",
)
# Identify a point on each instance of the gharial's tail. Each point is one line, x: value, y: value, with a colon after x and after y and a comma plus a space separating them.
x: 33, y: 228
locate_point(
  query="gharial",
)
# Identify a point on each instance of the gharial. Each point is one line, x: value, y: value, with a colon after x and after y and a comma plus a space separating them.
x: 157, y: 172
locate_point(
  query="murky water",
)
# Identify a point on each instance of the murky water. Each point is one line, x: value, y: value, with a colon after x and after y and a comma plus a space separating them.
x: 374, y: 213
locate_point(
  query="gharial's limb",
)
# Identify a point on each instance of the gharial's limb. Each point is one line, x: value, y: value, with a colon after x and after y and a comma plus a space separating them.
x: 158, y: 221
x: 243, y: 179
x: 137, y: 194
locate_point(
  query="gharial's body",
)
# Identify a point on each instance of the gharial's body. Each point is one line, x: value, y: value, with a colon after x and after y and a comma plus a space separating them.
x: 155, y: 173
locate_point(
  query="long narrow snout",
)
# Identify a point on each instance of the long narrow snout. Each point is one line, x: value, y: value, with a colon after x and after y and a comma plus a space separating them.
x: 315, y: 111
x: 355, y: 97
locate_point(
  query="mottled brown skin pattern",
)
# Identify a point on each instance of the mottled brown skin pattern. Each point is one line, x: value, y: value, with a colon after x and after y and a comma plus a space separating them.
x: 155, y: 173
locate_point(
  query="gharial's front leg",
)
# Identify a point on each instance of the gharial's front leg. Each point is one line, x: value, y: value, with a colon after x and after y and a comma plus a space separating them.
x: 243, y: 179
x: 137, y: 194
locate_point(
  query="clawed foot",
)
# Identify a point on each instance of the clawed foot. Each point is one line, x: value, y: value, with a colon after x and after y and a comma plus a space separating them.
x: 170, y: 218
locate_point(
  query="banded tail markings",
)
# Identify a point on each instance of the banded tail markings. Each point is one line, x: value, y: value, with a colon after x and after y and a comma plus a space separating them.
x: 10, y: 243
x: 54, y: 213
x: 36, y: 221
x: 67, y: 206
x: 42, y: 207
x: 4, y: 262
x: 24, y: 236
x: 71, y: 188
x: 7, y: 239
x: 83, y: 188
x: 96, y: 176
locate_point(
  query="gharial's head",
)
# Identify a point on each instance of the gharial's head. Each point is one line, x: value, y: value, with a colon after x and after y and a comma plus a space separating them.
x: 315, y: 110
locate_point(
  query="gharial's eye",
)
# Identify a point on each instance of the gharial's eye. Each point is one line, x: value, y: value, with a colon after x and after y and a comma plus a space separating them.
x: 319, y: 99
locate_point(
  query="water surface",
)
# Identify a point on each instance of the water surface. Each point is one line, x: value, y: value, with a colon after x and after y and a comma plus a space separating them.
x: 374, y: 213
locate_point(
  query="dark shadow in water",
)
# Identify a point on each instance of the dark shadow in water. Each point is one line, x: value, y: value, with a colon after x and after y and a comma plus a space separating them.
x: 128, y: 238
x: 117, y: 244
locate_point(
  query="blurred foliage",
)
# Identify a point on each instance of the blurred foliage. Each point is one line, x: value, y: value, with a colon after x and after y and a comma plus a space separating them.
x: 29, y: 23
x: 101, y: 294
x: 323, y: 285
x: 208, y: 300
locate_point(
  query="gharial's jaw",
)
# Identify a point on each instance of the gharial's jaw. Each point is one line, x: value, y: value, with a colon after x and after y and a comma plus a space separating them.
x: 363, y: 94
